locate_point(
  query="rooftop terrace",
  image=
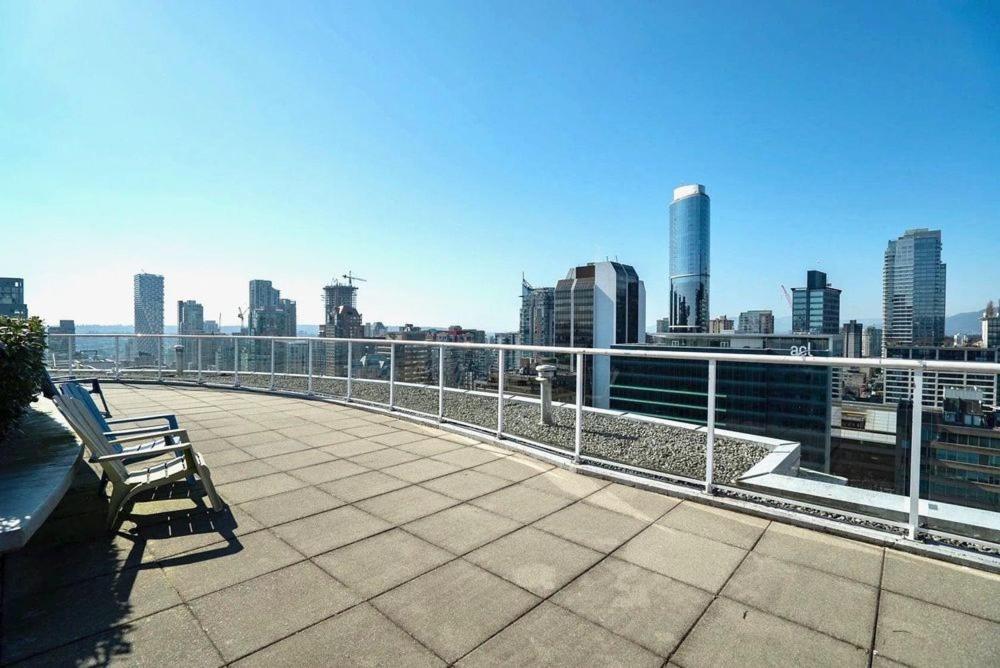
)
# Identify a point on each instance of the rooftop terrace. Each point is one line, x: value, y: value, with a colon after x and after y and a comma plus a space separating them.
x: 357, y: 537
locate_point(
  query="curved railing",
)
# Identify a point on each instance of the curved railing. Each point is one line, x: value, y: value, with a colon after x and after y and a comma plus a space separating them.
x: 473, y: 386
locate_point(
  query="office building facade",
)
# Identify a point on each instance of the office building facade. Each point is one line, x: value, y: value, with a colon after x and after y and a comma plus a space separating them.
x: 190, y: 317
x: 690, y: 245
x: 12, y: 298
x: 720, y: 325
x: 268, y: 313
x: 990, y: 324
x: 871, y: 342
x: 853, y: 333
x: 598, y: 305
x: 899, y: 383
x: 960, y: 450
x: 537, y: 320
x: 913, y: 290
x: 816, y: 307
x: 790, y: 402
x: 148, y: 315
x: 756, y: 322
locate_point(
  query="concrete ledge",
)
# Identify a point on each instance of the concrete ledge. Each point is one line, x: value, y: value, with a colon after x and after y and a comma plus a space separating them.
x: 36, y: 467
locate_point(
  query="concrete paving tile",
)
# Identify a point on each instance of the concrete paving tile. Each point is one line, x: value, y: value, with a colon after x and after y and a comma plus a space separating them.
x: 514, y: 468
x: 970, y: 591
x: 245, y: 441
x: 647, y: 608
x: 359, y: 637
x: 326, y: 438
x: 351, y: 448
x: 692, y: 559
x: 190, y: 532
x: 454, y: 608
x: 298, y: 460
x: 592, y: 526
x: 717, y: 524
x: 32, y: 571
x: 535, y: 560
x: 327, y: 471
x: 280, y: 508
x: 566, y: 483
x: 524, y: 504
x: 332, y: 529
x: 208, y: 445
x: 37, y: 622
x: 279, y: 445
x: 244, y: 427
x: 467, y: 457
x: 370, y: 430
x: 465, y: 485
x: 381, y: 459
x: 462, y: 528
x: 362, y: 486
x: 922, y: 634
x: 371, y: 566
x: 397, y: 438
x: 168, y: 638
x: 214, y: 567
x: 256, y: 488
x: 731, y: 634
x: 842, y: 608
x: 420, y: 470
x: 243, y: 618
x: 634, y: 502
x: 303, y: 429
x: 430, y: 446
x: 255, y: 468
x: 225, y: 457
x: 839, y: 556
x: 552, y: 636
x: 406, y: 504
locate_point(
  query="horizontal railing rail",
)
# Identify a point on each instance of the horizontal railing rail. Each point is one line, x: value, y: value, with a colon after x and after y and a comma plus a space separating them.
x: 502, y: 394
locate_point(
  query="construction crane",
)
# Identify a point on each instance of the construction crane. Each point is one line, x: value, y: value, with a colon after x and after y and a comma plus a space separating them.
x: 788, y: 297
x: 351, y: 278
x: 240, y: 313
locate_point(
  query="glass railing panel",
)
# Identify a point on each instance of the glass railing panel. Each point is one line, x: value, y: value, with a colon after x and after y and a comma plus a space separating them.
x: 417, y: 379
x: 470, y: 383
x: 330, y: 368
x: 370, y: 364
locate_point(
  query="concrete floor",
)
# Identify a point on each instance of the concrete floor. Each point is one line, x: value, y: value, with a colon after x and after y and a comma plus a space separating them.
x: 355, y: 538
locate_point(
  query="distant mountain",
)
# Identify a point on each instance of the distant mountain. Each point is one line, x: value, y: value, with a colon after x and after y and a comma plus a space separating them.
x: 963, y: 323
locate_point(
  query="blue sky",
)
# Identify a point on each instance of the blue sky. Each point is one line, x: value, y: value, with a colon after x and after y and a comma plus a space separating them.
x: 440, y: 149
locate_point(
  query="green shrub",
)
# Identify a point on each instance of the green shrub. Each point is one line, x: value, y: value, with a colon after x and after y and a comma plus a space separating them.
x: 22, y: 349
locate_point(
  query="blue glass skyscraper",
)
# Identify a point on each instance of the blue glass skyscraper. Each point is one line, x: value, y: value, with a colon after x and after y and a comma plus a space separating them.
x: 913, y: 289
x: 689, y: 259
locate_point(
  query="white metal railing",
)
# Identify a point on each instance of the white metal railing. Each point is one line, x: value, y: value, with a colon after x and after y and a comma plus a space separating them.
x: 917, y: 367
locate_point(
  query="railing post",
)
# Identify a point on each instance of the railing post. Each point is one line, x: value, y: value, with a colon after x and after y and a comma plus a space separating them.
x: 118, y: 371
x: 159, y: 359
x: 392, y: 375
x: 70, y: 344
x: 500, y: 379
x: 578, y: 432
x: 710, y: 433
x: 350, y: 367
x: 441, y: 350
x: 916, y: 439
x: 272, y: 365
x: 309, y: 364
x: 199, y: 359
x: 236, y: 361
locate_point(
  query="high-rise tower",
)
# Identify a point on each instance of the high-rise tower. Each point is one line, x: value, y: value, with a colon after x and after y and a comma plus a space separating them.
x: 148, y: 313
x: 690, y: 221
x: 913, y: 289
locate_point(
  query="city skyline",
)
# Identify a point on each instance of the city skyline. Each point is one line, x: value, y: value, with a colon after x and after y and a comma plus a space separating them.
x: 296, y: 144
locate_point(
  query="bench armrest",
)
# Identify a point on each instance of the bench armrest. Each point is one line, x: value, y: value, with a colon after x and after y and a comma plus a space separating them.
x: 169, y: 417
x: 119, y: 433
x: 181, y: 433
x: 159, y: 450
